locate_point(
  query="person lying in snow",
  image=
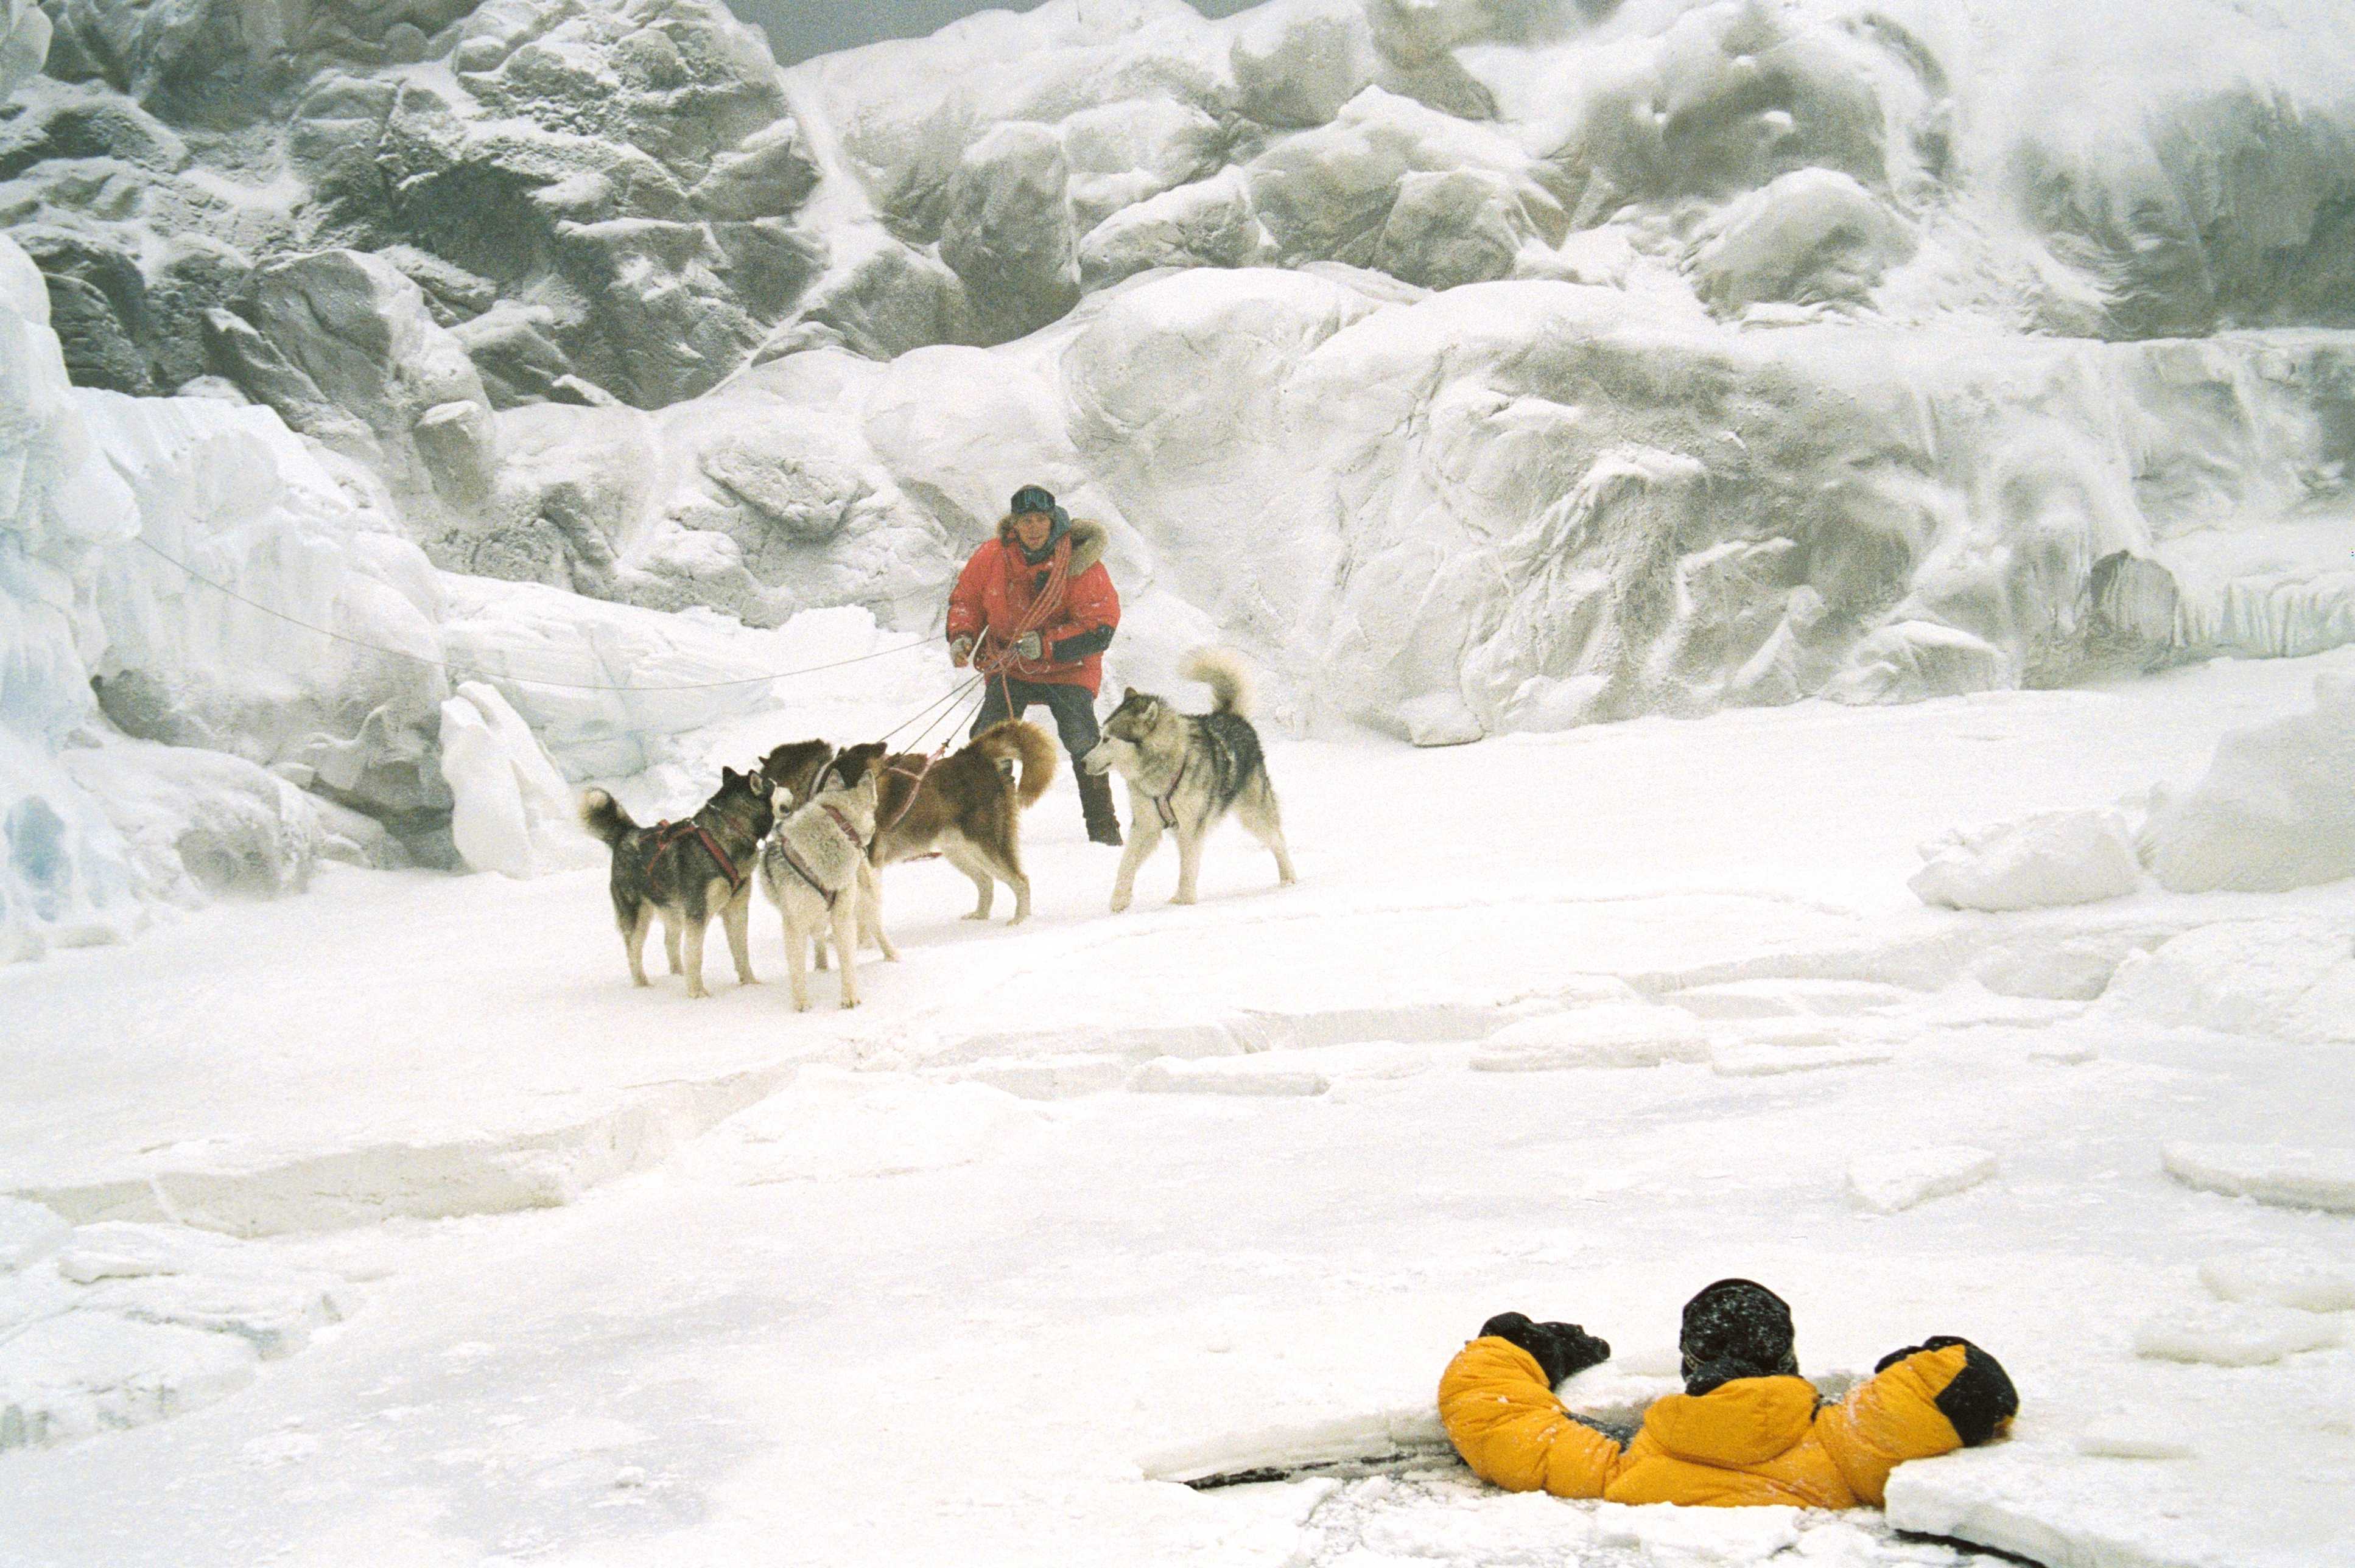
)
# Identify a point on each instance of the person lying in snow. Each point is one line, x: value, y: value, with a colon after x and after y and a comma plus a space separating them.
x: 1747, y: 1430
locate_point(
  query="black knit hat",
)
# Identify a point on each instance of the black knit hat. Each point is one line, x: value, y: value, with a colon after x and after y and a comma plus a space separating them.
x: 1736, y: 1327
x: 1033, y: 498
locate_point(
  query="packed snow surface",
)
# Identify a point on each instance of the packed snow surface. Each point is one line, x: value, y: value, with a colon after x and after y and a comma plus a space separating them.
x: 392, y: 1224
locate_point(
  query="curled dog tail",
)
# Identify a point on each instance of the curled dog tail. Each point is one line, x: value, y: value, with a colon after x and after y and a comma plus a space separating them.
x: 1023, y: 741
x: 1221, y: 670
x: 602, y: 815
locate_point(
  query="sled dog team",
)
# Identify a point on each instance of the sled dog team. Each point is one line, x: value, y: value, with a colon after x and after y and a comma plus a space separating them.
x: 815, y: 826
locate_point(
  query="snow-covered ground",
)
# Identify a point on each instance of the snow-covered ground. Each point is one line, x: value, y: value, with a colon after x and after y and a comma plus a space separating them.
x: 407, y: 1232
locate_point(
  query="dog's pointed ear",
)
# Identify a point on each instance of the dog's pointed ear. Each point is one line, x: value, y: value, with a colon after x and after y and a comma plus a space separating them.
x: 729, y: 775
x: 1129, y: 695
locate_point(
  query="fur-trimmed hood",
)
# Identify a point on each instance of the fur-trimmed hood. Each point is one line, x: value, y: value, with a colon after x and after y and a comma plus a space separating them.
x: 1088, y: 541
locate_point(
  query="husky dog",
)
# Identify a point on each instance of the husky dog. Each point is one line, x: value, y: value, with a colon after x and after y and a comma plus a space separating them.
x: 965, y: 806
x: 686, y: 872
x: 1185, y: 771
x: 794, y: 768
x: 814, y: 865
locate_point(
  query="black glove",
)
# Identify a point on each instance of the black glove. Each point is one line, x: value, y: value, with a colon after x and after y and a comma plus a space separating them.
x: 1560, y: 1348
x: 1979, y: 1401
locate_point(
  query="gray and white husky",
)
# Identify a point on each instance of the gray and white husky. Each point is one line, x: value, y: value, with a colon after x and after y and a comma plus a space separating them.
x: 812, y: 867
x: 687, y: 873
x: 1186, y: 771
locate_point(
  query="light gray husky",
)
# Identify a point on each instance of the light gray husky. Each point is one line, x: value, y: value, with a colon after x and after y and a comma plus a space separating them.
x: 1185, y: 771
x: 811, y: 868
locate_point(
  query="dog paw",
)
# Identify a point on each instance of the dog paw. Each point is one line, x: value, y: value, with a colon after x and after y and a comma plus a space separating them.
x: 978, y: 915
x: 1120, y: 905
x: 1182, y: 898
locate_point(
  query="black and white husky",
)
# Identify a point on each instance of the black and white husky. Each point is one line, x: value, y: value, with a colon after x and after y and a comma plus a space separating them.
x: 1186, y: 771
x: 687, y: 873
x: 813, y: 867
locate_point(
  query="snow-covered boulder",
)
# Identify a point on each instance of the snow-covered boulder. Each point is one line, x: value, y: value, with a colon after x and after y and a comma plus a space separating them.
x: 2281, y: 979
x: 1006, y: 231
x: 343, y: 347
x: 1813, y: 235
x: 263, y: 614
x: 2275, y: 809
x: 200, y: 822
x: 23, y: 42
x: 656, y: 235
x: 2036, y: 863
x: 511, y: 812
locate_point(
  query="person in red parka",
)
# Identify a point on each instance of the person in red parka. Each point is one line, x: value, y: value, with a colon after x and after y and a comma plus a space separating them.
x: 1034, y: 610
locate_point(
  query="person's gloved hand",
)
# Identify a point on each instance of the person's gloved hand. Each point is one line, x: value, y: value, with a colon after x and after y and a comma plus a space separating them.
x: 961, y: 652
x: 1559, y: 1349
x: 1980, y: 1402
x: 1029, y: 647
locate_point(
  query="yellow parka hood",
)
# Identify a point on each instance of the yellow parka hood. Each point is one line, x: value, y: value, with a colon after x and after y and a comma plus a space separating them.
x: 1747, y: 1422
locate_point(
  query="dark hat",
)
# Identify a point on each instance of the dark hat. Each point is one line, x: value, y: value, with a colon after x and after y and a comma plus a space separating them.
x: 1736, y: 1327
x: 1033, y: 498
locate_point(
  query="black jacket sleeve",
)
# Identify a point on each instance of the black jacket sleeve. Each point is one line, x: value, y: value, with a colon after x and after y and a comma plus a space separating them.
x: 1071, y: 650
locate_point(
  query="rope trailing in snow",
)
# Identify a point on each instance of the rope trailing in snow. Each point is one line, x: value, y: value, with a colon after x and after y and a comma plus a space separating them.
x: 458, y: 671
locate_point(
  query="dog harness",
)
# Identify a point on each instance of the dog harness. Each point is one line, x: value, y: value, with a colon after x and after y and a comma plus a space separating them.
x: 844, y: 823
x: 1162, y: 803
x: 924, y: 768
x: 785, y: 852
x: 668, y: 834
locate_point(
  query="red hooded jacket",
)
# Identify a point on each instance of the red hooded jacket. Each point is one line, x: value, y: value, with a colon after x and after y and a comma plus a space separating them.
x: 1068, y: 598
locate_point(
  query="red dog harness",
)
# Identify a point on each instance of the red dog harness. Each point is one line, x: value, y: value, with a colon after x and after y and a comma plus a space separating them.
x: 667, y: 835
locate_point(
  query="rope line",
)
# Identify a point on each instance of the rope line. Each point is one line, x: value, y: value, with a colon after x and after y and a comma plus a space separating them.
x: 455, y: 668
x: 931, y: 710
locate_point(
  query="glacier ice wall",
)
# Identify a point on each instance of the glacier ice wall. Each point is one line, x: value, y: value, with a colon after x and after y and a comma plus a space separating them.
x: 1483, y: 364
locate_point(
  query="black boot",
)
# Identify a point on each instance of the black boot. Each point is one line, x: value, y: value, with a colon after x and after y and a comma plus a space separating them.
x: 1095, y: 803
